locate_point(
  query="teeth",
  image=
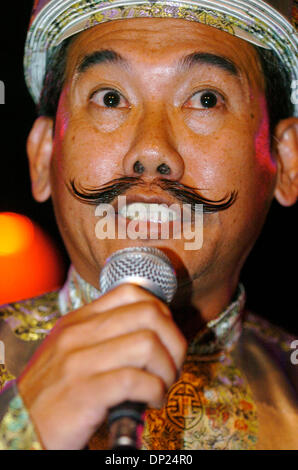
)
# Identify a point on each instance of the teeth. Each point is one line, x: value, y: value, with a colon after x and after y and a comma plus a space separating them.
x: 148, y: 212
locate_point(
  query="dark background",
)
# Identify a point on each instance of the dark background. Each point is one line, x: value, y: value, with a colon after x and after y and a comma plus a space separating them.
x: 270, y: 273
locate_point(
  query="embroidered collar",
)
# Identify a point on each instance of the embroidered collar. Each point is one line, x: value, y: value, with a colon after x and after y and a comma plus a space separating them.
x: 76, y: 292
x: 220, y: 334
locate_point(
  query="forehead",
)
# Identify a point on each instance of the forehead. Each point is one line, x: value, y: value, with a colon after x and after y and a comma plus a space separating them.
x: 163, y: 41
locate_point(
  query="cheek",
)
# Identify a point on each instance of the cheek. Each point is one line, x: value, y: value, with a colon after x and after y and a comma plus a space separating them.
x: 220, y: 163
x: 236, y: 157
x: 83, y: 153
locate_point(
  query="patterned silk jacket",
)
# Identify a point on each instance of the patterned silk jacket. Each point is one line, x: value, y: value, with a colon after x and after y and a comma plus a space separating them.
x: 238, y: 388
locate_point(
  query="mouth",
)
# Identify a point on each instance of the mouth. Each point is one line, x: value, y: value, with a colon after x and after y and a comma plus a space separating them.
x: 154, y: 209
x: 148, y: 217
x: 148, y: 212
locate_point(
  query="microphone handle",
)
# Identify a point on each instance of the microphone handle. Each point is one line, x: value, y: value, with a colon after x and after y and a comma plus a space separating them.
x: 125, y: 425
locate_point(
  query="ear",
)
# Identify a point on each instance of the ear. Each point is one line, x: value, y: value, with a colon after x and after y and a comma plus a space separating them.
x: 286, y: 151
x: 39, y: 151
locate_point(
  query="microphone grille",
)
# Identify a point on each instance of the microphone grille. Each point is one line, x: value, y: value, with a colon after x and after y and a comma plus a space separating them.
x: 146, y: 266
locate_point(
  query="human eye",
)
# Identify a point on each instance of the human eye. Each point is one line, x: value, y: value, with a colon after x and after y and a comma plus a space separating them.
x: 108, y: 98
x: 206, y: 99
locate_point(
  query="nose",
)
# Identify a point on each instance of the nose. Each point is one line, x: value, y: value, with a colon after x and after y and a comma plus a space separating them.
x: 152, y: 152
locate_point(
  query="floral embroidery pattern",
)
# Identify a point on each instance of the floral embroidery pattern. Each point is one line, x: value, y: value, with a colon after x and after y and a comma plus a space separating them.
x: 214, y: 411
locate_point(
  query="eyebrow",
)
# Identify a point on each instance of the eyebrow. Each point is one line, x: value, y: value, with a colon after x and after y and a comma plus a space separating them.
x: 109, y: 56
x: 106, y: 56
x: 206, y: 58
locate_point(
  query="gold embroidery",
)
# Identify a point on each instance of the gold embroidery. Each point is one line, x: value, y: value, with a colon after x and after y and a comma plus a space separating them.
x: 5, y: 376
x: 32, y: 319
x: 16, y: 430
x: 212, y: 408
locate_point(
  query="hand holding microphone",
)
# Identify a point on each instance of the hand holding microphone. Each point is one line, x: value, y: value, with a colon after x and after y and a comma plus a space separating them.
x: 124, y: 346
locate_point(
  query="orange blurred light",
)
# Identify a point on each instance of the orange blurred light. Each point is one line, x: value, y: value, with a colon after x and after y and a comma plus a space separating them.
x: 16, y: 233
x: 30, y: 263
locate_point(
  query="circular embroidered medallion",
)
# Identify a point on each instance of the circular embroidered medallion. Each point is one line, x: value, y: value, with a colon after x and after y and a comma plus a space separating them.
x: 184, y: 407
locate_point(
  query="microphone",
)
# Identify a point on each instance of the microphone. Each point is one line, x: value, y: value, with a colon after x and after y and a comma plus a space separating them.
x: 151, y: 269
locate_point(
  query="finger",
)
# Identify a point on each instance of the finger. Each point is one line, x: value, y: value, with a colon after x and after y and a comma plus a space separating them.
x: 114, y: 387
x: 142, y: 349
x: 125, y: 294
x: 126, y: 319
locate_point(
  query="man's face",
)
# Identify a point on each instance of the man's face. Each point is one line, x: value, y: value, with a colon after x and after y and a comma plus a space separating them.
x: 160, y: 114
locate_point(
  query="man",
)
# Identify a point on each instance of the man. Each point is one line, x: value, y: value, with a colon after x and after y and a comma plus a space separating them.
x: 162, y: 102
